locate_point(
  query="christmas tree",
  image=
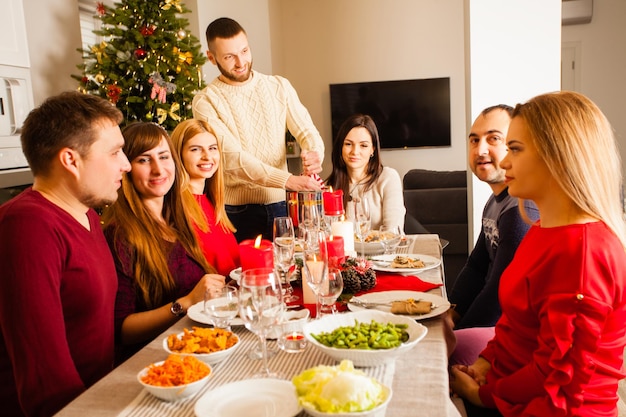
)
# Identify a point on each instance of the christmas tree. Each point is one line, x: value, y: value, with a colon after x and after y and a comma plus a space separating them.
x: 148, y: 64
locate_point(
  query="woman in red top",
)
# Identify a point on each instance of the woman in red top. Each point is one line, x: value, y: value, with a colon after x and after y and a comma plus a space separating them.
x: 199, y: 152
x: 559, y: 344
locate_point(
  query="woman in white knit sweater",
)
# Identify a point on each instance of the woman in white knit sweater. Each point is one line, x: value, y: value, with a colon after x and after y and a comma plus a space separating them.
x: 358, y: 171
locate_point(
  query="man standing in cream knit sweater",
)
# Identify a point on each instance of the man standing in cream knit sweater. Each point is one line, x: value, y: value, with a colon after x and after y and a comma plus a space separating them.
x: 250, y: 113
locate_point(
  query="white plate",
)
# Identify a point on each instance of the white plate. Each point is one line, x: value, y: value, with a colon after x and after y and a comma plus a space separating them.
x: 235, y: 274
x: 251, y: 397
x: 383, y: 263
x: 196, y: 313
x: 389, y: 296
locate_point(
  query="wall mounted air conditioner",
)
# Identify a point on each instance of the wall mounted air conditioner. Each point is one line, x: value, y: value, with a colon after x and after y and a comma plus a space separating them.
x: 575, y: 12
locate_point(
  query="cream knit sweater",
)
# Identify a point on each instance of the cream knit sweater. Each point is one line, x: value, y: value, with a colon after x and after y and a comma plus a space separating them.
x: 250, y: 121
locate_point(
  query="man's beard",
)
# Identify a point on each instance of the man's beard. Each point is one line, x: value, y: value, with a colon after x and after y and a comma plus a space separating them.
x: 237, y: 79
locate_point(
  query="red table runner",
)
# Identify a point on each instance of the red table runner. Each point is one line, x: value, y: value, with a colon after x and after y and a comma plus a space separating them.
x: 384, y: 282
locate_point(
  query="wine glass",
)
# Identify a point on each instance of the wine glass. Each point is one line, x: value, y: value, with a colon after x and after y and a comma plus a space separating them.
x: 309, y: 217
x: 221, y: 306
x: 315, y: 265
x: 390, y: 238
x: 362, y: 220
x: 284, y: 251
x: 261, y: 307
x: 330, y: 290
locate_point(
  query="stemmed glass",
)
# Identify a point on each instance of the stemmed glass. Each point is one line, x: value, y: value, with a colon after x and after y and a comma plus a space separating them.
x: 390, y: 238
x: 362, y: 220
x: 284, y: 251
x: 330, y: 290
x: 261, y: 307
x: 221, y: 307
x: 309, y: 217
x: 315, y: 265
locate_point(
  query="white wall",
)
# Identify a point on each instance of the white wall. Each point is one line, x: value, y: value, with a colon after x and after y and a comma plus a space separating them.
x: 328, y: 41
x: 602, y: 45
x: 53, y: 37
x: 508, y: 63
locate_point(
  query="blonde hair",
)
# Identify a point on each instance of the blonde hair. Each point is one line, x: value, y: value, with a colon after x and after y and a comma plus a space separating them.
x: 576, y: 142
x: 134, y: 226
x: 214, y: 186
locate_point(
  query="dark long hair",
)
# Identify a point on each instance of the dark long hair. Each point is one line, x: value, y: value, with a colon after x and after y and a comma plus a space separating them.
x: 134, y: 224
x: 339, y: 178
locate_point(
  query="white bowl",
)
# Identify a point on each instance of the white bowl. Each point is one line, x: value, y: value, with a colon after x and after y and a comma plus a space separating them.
x: 173, y: 393
x: 210, y: 358
x: 378, y: 411
x: 362, y: 357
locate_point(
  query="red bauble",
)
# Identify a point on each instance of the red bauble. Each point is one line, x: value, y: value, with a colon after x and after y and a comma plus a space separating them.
x: 140, y: 53
x: 147, y: 30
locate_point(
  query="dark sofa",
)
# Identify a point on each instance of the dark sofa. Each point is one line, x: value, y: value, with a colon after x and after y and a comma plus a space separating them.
x: 436, y: 202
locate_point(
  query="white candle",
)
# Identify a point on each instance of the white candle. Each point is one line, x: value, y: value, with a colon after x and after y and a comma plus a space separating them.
x: 345, y: 229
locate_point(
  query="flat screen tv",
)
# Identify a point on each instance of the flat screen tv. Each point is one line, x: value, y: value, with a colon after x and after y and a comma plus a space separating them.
x: 408, y: 113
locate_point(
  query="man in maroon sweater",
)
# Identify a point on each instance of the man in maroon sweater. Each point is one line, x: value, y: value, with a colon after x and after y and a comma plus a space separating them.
x: 58, y: 282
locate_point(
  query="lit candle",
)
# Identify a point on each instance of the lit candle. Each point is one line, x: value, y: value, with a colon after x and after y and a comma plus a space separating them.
x: 344, y: 229
x: 292, y: 342
x: 333, y: 202
x: 256, y: 253
x: 295, y: 336
x: 336, y: 251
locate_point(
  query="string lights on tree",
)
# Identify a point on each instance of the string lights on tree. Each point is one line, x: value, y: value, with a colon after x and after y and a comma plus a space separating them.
x: 148, y: 63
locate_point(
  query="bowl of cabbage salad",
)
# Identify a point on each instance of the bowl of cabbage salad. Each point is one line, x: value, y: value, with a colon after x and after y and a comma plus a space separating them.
x: 340, y: 390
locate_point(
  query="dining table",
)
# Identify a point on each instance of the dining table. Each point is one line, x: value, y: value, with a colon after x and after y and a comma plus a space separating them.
x: 418, y: 378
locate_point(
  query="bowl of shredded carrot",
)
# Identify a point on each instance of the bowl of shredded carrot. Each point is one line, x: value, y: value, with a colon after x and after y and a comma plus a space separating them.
x: 175, y: 378
x: 210, y: 345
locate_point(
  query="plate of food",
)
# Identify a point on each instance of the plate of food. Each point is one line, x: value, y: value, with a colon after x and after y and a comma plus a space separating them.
x: 370, y: 244
x: 411, y: 262
x: 413, y: 304
x: 196, y: 313
x: 250, y: 397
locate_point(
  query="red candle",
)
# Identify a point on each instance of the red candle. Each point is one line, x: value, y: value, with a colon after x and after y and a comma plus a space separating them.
x: 333, y: 202
x: 256, y: 253
x: 336, y: 253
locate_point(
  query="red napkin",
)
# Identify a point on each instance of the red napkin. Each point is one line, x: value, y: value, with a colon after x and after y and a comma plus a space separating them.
x: 384, y: 282
x: 395, y: 282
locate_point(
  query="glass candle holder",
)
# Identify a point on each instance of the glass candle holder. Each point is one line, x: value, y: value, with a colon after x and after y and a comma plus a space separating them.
x: 291, y: 338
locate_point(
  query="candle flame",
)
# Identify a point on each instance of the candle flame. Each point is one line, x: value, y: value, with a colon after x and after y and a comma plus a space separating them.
x: 257, y: 242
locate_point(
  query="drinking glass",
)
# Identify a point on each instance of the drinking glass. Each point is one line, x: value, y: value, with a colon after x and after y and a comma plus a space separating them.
x: 315, y: 265
x: 221, y: 306
x: 362, y: 220
x: 261, y: 307
x: 390, y: 238
x: 284, y: 251
x: 330, y: 290
x: 309, y: 217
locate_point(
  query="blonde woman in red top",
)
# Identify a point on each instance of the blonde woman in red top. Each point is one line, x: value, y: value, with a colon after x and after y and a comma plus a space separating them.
x: 199, y: 151
x: 558, y: 346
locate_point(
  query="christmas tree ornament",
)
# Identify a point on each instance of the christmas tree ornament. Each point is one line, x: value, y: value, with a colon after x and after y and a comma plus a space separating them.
x: 113, y: 93
x: 147, y: 30
x: 172, y: 3
x: 140, y: 53
x: 100, y: 9
x: 181, y: 34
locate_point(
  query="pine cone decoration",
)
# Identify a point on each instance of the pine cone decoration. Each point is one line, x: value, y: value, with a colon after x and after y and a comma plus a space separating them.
x: 357, y: 276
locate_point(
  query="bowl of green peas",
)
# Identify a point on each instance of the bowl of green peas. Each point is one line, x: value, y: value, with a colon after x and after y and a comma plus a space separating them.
x: 367, y: 338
